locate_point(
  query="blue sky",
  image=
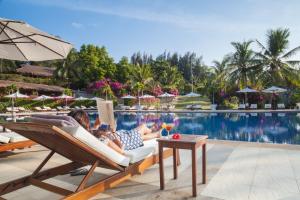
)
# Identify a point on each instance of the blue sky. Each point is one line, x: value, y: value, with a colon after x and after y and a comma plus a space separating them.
x: 126, y: 26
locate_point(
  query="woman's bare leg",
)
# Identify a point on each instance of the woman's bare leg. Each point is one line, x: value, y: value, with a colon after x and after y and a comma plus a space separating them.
x: 150, y: 136
x: 143, y: 130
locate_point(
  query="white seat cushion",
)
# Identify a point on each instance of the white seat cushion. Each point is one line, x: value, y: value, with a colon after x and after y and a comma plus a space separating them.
x: 150, y: 148
x: 13, y: 137
x: 4, y: 139
x: 140, y: 153
x: 152, y: 143
x: 86, y: 137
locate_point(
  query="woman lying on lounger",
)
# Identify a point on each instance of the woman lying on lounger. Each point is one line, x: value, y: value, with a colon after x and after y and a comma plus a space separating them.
x: 120, y: 140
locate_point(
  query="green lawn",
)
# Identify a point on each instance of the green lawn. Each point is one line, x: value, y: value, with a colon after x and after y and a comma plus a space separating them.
x: 182, y: 102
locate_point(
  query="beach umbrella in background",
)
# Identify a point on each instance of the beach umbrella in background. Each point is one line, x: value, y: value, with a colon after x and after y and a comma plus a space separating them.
x: 274, y: 90
x: 166, y: 95
x: 245, y: 91
x: 81, y: 99
x: 16, y: 95
x: 128, y: 97
x: 65, y: 97
x: 20, y: 41
x: 13, y: 97
x: 147, y: 96
x: 95, y: 99
x: 192, y: 94
x: 42, y: 98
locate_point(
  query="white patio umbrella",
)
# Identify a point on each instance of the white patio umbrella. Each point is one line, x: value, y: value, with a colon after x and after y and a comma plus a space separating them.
x: 95, y: 99
x: 42, y: 98
x: 192, y: 94
x: 245, y: 91
x: 20, y: 41
x: 65, y: 97
x: 13, y: 97
x: 146, y: 96
x: 166, y: 95
x: 274, y: 90
x: 16, y: 95
x: 128, y: 97
x: 81, y: 99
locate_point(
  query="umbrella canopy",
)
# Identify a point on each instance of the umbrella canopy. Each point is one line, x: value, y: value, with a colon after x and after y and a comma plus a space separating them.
x: 274, y: 89
x: 64, y: 97
x: 166, y: 95
x: 16, y: 95
x: 192, y: 94
x: 81, y: 99
x: 42, y: 97
x: 95, y: 99
x: 128, y: 97
x: 146, y: 96
x: 247, y: 90
x: 20, y: 41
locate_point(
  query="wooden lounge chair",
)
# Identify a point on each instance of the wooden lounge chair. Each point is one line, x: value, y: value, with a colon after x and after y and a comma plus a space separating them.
x: 80, y: 154
x: 9, y: 143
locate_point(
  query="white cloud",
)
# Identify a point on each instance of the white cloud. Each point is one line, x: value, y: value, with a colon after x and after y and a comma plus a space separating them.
x: 77, y: 25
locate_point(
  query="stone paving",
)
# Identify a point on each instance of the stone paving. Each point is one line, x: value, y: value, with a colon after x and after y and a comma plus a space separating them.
x: 235, y: 170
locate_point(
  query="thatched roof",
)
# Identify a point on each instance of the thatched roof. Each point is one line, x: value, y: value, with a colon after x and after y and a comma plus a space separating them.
x: 36, y: 70
x: 32, y: 86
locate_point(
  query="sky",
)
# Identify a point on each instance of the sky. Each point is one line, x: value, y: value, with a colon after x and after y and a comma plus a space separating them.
x: 206, y: 27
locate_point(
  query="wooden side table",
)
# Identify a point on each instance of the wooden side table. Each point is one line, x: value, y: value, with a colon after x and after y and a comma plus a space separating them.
x: 191, y: 142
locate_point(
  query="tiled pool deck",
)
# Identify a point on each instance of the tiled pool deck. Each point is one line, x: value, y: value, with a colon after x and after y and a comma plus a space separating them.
x: 235, y: 170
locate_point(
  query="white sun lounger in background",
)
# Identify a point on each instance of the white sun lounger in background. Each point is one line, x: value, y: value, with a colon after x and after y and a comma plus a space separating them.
x: 242, y: 106
x: 213, y: 106
x: 268, y: 106
x: 189, y: 107
x: 297, y: 105
x: 196, y: 107
x: 253, y: 106
x: 281, y: 106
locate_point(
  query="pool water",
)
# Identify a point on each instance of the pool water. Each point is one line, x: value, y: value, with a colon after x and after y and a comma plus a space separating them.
x: 252, y: 127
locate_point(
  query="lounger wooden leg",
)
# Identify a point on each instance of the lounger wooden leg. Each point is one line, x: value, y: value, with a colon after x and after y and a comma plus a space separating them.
x: 38, y: 169
x: 49, y: 173
x: 175, y: 162
x: 86, y: 178
x: 178, y: 158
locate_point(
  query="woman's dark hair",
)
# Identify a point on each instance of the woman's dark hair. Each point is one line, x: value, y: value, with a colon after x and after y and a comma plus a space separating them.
x: 81, y: 117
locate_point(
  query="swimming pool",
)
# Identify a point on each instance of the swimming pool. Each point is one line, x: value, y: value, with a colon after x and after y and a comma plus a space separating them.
x: 252, y: 127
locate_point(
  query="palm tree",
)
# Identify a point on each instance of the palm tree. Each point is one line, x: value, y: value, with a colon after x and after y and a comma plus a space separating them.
x: 220, y: 71
x: 242, y: 62
x: 141, y: 75
x: 69, y: 68
x: 274, y: 57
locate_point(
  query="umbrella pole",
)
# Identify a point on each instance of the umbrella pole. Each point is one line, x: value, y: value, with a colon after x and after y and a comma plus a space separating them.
x: 12, y: 110
x: 1, y: 61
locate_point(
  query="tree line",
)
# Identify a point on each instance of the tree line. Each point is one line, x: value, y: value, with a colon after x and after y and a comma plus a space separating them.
x: 271, y: 64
